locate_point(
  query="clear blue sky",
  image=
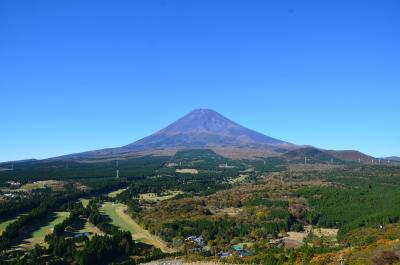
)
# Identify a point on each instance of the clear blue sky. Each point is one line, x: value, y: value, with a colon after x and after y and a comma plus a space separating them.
x: 83, y: 75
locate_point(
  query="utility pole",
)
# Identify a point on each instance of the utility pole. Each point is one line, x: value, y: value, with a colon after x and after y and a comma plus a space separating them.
x: 305, y: 160
x: 117, y: 170
x: 341, y: 261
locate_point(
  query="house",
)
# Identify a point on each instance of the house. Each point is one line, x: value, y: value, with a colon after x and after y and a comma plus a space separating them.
x: 224, y: 255
x: 241, y: 252
x: 84, y: 234
x: 9, y: 195
x: 198, y: 240
x: 14, y: 184
x: 277, y: 242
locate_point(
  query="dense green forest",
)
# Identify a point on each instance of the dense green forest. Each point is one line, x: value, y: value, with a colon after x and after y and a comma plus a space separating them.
x: 61, y: 170
x: 362, y: 197
x: 227, y: 202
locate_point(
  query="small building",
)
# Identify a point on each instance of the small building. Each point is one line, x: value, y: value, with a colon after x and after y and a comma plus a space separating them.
x: 224, y: 255
x: 198, y: 240
x: 172, y: 165
x: 84, y: 234
x: 241, y: 251
x: 14, y: 184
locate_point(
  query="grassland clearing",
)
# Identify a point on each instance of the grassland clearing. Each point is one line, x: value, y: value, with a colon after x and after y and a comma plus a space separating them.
x: 35, y: 234
x: 239, y: 179
x: 296, y: 239
x: 152, y: 197
x: 92, y: 229
x: 55, y: 185
x: 115, y: 193
x: 82, y: 225
x: 187, y: 171
x: 116, y: 212
x: 85, y: 202
x: 6, y: 222
x: 230, y: 211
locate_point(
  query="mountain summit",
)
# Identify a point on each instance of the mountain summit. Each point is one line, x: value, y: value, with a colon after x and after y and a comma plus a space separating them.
x: 201, y: 128
x: 205, y: 128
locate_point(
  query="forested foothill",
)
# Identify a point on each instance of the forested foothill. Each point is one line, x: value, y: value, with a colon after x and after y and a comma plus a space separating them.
x: 264, y: 210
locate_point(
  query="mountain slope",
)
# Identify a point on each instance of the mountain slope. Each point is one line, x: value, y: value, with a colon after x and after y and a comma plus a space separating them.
x: 392, y: 158
x: 311, y: 154
x: 201, y: 128
x: 204, y: 128
x: 351, y: 155
x: 207, y: 129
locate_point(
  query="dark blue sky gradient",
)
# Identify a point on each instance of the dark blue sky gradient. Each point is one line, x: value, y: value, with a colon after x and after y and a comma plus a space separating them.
x: 82, y: 75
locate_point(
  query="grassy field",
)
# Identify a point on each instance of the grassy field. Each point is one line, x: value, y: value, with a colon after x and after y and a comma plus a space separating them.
x: 114, y: 194
x: 53, y: 184
x: 36, y: 234
x: 85, y: 202
x: 92, y: 229
x: 187, y: 171
x: 116, y: 212
x: 82, y: 225
x: 153, y: 197
x: 4, y: 224
x: 239, y: 179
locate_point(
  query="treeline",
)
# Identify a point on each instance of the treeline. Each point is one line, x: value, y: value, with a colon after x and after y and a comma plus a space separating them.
x: 267, y: 202
x: 205, y: 159
x: 98, y: 250
x: 64, y: 169
x: 115, y: 245
x: 223, y: 231
x: 12, y: 231
x: 76, y: 210
x: 210, y: 230
x: 14, y: 207
x: 368, y: 196
x: 100, y: 220
x: 105, y: 249
x: 199, y: 184
x: 100, y: 186
x: 48, y: 203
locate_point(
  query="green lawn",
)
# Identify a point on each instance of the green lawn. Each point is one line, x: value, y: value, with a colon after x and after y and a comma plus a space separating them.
x: 114, y: 194
x: 239, y: 179
x: 116, y: 212
x: 44, y: 230
x: 154, y: 198
x: 4, y: 224
x: 85, y: 202
x: 110, y: 209
x: 38, y: 231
